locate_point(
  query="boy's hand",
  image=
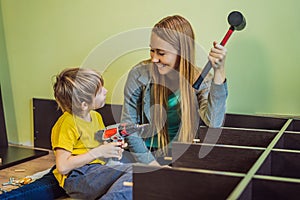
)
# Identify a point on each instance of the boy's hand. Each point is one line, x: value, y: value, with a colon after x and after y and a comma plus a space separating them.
x: 110, y: 150
x: 124, y: 145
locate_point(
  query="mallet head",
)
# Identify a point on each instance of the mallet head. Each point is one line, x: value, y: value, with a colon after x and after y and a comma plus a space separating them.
x: 236, y: 20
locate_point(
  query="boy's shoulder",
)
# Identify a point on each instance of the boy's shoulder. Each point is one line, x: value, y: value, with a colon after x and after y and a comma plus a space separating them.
x: 96, y: 115
x: 66, y: 117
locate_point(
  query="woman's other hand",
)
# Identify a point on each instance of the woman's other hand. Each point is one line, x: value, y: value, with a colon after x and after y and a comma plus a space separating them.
x: 217, y: 56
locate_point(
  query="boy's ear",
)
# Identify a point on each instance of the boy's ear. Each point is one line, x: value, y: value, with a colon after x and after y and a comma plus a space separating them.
x: 84, y: 106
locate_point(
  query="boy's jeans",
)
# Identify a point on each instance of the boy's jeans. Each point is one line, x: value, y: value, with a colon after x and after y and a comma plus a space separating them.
x: 95, y: 181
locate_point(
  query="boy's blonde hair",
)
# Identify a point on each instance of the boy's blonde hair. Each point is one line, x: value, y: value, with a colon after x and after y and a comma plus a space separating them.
x: 73, y: 86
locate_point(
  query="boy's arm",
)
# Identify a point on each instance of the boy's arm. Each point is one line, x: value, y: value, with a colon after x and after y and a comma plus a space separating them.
x: 66, y: 162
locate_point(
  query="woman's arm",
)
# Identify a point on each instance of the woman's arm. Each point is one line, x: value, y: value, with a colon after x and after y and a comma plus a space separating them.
x: 132, y: 98
x: 217, y: 57
x: 213, y: 91
x: 212, y: 103
x: 131, y: 113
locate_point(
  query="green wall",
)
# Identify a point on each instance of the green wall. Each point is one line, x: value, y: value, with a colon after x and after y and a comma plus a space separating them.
x: 44, y: 36
x: 6, y: 89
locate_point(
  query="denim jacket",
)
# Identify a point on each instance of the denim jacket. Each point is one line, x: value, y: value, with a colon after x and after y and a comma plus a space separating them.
x: 137, y: 102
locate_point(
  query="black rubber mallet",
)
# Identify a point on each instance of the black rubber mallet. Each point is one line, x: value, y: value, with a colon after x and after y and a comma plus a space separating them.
x: 237, y: 22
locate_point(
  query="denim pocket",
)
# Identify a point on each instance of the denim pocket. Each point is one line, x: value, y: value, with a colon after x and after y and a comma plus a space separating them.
x: 76, y: 172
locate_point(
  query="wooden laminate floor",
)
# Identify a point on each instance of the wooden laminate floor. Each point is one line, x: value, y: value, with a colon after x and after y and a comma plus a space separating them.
x: 26, y: 169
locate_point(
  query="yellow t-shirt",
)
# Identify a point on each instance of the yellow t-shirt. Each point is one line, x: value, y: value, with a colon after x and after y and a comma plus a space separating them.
x: 76, y: 136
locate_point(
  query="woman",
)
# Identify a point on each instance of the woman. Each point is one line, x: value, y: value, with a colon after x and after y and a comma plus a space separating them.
x: 159, y: 90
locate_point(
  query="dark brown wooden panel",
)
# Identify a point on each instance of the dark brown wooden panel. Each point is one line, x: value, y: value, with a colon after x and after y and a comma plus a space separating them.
x: 237, y: 137
x: 3, y: 134
x: 12, y: 155
x: 289, y: 141
x: 255, y: 122
x: 260, y: 189
x: 294, y: 126
x: 214, y: 157
x: 45, y: 114
x: 282, y: 164
x: 166, y: 183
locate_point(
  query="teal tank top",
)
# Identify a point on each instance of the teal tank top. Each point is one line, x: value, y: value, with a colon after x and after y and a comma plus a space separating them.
x: 173, y: 119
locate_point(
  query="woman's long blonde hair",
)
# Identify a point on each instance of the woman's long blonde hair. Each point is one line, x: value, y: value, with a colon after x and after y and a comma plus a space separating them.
x: 178, y: 32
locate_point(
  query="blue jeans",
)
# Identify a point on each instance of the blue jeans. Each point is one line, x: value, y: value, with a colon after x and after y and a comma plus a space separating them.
x: 95, y: 181
x: 46, y: 188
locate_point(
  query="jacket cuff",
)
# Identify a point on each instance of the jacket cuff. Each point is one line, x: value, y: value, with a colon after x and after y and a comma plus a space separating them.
x: 219, y: 90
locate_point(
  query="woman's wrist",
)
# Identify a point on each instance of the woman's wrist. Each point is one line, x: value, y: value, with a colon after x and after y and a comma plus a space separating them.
x: 219, y: 76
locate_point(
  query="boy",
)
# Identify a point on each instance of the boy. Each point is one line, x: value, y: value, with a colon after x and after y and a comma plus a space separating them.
x: 80, y: 167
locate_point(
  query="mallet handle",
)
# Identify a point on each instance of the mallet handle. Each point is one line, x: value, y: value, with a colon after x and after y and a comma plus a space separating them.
x: 227, y: 36
x: 208, y: 65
